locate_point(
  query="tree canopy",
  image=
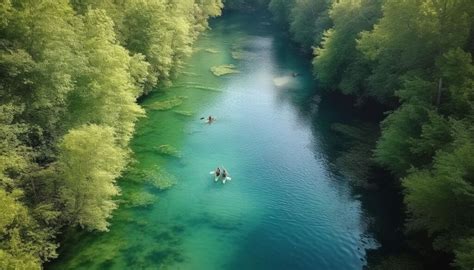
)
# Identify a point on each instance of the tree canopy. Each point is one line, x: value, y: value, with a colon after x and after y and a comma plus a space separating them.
x: 70, y: 76
x: 415, y: 57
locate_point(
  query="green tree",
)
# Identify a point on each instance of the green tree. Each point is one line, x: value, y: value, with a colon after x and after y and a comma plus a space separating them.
x: 441, y: 199
x: 70, y: 75
x: 89, y: 162
x: 338, y: 63
x: 409, y: 38
x: 309, y: 20
x: 281, y: 10
x: 109, y: 81
x: 24, y: 245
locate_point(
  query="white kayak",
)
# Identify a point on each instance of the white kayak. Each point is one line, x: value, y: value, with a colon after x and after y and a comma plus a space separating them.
x: 216, y: 178
x: 226, y: 179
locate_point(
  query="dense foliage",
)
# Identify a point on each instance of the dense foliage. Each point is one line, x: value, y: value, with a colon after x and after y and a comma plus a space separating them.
x: 71, y: 71
x: 414, y: 56
x: 70, y: 75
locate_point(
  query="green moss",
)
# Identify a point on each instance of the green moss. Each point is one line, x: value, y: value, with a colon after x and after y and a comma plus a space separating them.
x: 140, y: 199
x: 210, y: 50
x: 167, y: 104
x: 200, y: 87
x: 189, y: 73
x: 168, y: 150
x: 161, y: 180
x: 224, y: 70
x: 238, y: 55
x: 205, y: 88
x: 155, y: 176
x: 184, y: 113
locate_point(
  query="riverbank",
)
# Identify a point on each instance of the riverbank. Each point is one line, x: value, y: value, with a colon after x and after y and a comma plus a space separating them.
x: 288, y: 199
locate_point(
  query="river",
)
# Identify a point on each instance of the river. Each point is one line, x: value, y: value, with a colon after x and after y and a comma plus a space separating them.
x: 287, y: 206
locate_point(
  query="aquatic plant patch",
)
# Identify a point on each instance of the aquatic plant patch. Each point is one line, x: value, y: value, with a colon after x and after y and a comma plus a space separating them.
x: 140, y: 199
x: 168, y: 150
x: 211, y: 50
x: 224, y: 70
x: 184, y: 113
x: 161, y: 179
x: 167, y: 104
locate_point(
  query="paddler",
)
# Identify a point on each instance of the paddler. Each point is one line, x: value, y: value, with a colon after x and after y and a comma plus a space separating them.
x: 210, y: 119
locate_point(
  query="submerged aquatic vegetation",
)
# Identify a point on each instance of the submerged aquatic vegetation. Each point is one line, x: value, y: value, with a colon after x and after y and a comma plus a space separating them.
x: 200, y: 87
x: 189, y: 73
x: 167, y: 104
x: 140, y: 199
x: 241, y: 54
x: 161, y: 179
x: 155, y: 176
x: 238, y: 55
x: 356, y: 141
x: 168, y: 150
x: 224, y: 70
x: 211, y: 50
x: 205, y: 88
x: 281, y: 81
x: 349, y: 131
x: 184, y: 113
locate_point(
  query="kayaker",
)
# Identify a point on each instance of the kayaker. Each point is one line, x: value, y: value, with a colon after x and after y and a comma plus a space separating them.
x: 218, y: 172
x: 210, y: 119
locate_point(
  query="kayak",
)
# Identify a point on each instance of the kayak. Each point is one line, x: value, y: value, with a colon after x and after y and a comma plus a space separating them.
x: 206, y: 120
x: 216, y: 178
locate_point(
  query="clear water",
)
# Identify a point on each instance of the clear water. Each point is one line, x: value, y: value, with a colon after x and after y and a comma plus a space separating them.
x: 285, y: 208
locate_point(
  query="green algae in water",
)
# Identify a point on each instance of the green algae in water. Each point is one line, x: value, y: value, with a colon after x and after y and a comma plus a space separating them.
x: 189, y: 73
x: 161, y: 179
x: 352, y: 132
x: 199, y: 87
x: 358, y: 141
x: 241, y: 54
x: 224, y: 70
x: 155, y: 176
x: 167, y: 104
x: 211, y: 50
x: 140, y: 199
x: 168, y: 150
x: 238, y: 55
x: 205, y: 88
x: 184, y: 113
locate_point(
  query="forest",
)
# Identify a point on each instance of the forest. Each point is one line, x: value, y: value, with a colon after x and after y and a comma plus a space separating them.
x: 415, y: 58
x: 72, y: 72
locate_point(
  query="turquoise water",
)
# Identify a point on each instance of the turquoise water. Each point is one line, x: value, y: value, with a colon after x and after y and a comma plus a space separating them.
x: 286, y: 207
